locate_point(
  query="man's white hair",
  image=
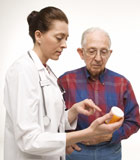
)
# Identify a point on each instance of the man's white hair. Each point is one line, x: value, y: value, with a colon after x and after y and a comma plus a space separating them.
x: 91, y: 30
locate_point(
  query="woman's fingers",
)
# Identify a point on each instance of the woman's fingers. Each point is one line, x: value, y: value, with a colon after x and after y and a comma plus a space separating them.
x: 71, y: 148
x: 76, y: 147
x: 116, y: 125
x: 86, y: 107
x: 94, y: 105
x: 100, y: 126
x: 90, y: 107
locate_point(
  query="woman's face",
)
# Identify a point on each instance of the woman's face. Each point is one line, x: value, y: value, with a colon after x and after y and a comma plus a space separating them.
x: 52, y: 42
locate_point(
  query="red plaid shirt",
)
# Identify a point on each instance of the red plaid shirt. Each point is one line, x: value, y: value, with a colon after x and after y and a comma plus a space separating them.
x: 112, y: 89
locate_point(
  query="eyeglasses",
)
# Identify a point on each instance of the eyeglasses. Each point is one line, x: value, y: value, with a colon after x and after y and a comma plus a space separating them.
x: 93, y: 52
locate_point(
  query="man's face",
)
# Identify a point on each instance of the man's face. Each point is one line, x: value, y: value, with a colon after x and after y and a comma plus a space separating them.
x: 95, y: 52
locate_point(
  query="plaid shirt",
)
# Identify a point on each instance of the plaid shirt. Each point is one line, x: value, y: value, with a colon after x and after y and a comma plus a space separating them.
x: 112, y: 89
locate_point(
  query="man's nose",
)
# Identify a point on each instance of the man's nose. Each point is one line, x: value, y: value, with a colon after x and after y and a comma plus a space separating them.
x: 98, y: 56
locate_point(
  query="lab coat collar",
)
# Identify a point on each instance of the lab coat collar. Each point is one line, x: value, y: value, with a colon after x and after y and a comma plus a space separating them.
x: 40, y: 67
x: 36, y: 60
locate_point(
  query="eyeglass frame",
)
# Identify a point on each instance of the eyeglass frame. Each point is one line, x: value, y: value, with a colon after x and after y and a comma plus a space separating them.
x: 102, y: 54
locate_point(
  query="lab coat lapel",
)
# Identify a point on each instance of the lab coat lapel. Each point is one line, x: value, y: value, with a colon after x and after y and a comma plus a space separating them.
x: 41, y: 69
x: 46, y: 80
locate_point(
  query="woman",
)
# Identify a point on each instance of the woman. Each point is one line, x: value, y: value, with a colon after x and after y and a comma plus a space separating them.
x: 35, y: 112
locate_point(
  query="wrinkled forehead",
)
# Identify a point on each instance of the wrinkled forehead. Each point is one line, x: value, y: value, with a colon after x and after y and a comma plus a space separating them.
x: 97, y: 38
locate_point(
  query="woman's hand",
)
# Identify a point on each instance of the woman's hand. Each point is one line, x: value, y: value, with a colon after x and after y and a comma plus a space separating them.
x: 98, y: 139
x: 70, y: 149
x: 86, y: 107
x: 98, y: 127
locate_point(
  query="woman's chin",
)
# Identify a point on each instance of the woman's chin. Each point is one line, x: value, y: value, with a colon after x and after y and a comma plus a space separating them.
x: 55, y: 58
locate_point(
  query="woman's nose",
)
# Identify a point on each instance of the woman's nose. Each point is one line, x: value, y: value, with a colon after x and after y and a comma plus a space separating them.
x: 64, y: 44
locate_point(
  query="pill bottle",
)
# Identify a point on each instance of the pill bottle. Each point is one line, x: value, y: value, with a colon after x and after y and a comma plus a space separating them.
x: 117, y: 114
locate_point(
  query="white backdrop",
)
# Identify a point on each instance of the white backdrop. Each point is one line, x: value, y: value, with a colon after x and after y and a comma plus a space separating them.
x: 120, y: 18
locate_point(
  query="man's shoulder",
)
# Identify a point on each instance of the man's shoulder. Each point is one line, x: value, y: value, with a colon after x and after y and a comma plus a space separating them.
x: 117, y: 75
x: 72, y: 72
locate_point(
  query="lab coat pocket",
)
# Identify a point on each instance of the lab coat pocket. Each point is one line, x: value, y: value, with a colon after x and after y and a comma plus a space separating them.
x: 44, y: 83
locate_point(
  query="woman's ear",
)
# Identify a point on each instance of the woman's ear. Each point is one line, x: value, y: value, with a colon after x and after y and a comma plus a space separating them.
x: 80, y: 51
x: 38, y: 35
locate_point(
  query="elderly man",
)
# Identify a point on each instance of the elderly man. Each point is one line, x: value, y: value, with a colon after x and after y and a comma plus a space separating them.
x: 106, y: 88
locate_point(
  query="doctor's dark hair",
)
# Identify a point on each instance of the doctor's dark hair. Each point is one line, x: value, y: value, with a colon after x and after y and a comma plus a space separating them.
x: 43, y: 20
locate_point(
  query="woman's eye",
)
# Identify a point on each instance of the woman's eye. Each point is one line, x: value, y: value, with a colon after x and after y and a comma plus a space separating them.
x: 59, y: 38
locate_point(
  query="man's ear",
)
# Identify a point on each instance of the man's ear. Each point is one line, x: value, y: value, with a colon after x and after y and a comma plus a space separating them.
x: 38, y: 35
x: 80, y: 51
x: 110, y: 51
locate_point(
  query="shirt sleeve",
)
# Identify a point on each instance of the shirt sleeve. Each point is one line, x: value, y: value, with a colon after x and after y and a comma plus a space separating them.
x: 22, y: 101
x: 69, y: 126
x: 64, y: 85
x: 131, y: 116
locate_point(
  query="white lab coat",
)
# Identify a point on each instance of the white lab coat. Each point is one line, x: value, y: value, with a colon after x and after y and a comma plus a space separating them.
x: 27, y: 135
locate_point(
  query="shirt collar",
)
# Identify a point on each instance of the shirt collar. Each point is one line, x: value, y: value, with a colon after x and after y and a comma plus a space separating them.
x: 101, y: 77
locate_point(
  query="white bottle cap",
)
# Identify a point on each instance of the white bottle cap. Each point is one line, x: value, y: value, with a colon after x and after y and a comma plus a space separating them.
x: 117, y: 111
